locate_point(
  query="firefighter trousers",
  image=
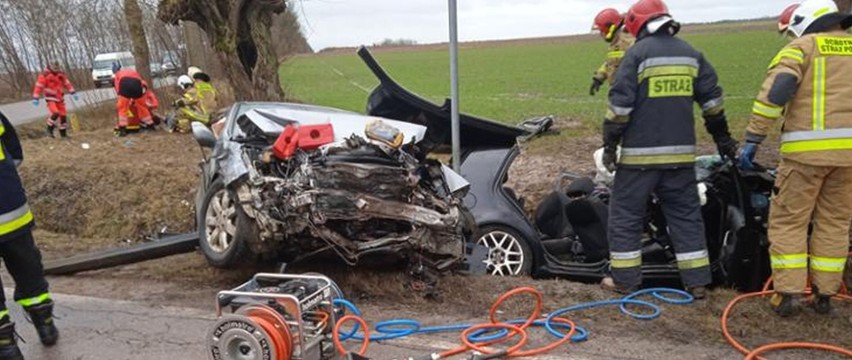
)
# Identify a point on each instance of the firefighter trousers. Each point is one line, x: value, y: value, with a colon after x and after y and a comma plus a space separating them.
x: 678, y: 193
x: 23, y: 261
x: 810, y: 195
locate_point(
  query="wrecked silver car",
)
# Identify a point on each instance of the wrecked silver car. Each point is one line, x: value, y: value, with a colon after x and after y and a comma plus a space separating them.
x: 291, y: 181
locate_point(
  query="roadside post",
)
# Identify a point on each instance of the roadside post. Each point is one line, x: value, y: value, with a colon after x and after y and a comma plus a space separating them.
x: 454, y: 84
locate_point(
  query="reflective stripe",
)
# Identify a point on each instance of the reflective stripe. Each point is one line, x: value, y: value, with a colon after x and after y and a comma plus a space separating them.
x: 659, y: 150
x: 34, y: 300
x: 626, y: 259
x: 4, y: 314
x: 827, y: 264
x: 658, y: 155
x: 2, y: 153
x: 663, y: 61
x: 819, y: 94
x: 794, y: 261
x: 620, y: 111
x: 625, y: 255
x: 692, y: 255
x: 821, y: 12
x: 693, y: 260
x: 15, y: 219
x: 767, y: 110
x: 803, y: 141
x: 668, y: 70
x: 791, y: 53
x: 817, y: 135
x: 719, y: 101
x: 617, y: 54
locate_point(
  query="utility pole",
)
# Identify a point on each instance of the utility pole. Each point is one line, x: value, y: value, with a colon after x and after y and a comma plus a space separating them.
x: 454, y: 85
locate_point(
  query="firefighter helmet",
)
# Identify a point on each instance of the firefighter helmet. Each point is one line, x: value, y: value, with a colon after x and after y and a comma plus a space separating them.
x: 643, y: 12
x: 808, y: 12
x: 608, y: 22
x: 54, y: 65
x: 192, y: 70
x: 786, y: 16
x: 184, y: 82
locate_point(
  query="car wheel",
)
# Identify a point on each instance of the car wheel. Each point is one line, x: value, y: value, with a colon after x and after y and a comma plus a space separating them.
x: 219, y: 227
x: 508, y: 252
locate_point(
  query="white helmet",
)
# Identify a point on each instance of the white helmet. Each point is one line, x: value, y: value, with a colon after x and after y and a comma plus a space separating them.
x: 192, y: 70
x: 184, y: 81
x: 808, y: 12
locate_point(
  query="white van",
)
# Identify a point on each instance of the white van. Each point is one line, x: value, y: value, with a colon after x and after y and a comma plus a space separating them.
x: 102, y: 66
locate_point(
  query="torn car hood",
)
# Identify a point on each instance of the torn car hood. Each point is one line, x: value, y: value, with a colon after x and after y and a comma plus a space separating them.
x: 391, y: 100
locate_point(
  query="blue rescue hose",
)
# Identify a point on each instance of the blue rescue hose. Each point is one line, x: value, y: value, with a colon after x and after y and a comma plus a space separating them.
x: 399, y: 328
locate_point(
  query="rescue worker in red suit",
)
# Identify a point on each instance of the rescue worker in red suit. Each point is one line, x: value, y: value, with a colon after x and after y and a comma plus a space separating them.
x: 19, y: 252
x: 131, y: 100
x: 52, y: 82
x: 152, y: 103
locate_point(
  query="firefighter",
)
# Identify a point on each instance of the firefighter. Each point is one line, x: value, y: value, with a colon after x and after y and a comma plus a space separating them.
x: 609, y: 23
x: 198, y: 102
x: 19, y: 252
x: 807, y: 83
x: 53, y: 82
x: 131, y: 103
x: 659, y: 79
x: 152, y: 103
x: 204, y: 90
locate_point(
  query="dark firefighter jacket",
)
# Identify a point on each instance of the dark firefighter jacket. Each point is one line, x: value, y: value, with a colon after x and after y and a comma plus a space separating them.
x: 651, y: 102
x: 15, y: 215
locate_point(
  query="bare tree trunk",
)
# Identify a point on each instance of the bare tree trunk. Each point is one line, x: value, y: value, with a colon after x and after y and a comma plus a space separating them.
x: 239, y: 33
x: 133, y: 14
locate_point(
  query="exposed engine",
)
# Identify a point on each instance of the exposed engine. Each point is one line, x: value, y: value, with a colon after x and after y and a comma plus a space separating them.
x: 354, y: 198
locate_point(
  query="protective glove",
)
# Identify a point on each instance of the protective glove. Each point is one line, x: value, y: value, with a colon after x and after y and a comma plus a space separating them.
x: 610, y: 158
x: 35, y: 102
x: 178, y: 103
x: 596, y: 86
x: 75, y: 96
x: 747, y: 156
x: 727, y: 147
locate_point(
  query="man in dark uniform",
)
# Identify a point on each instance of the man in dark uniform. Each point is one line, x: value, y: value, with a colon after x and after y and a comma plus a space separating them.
x: 19, y: 252
x: 651, y: 117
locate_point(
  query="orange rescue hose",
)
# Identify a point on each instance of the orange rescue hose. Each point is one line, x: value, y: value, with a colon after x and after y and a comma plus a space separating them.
x: 753, y: 354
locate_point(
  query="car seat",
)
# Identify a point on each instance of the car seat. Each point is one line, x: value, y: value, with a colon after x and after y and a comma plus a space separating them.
x: 588, y: 217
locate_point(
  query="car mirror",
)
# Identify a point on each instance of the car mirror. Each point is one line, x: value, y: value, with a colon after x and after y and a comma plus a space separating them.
x: 203, y: 135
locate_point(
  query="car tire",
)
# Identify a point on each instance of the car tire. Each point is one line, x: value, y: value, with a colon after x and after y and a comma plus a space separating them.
x: 223, y: 242
x: 509, y: 253
x: 97, y: 85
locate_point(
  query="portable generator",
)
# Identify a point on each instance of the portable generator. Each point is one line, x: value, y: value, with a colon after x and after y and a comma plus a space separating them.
x: 276, y: 317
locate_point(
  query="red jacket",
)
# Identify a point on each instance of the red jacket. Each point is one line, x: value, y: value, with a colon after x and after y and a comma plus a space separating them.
x: 52, y: 84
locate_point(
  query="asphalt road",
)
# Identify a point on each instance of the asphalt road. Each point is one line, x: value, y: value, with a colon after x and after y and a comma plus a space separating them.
x: 94, y: 329
x: 24, y: 111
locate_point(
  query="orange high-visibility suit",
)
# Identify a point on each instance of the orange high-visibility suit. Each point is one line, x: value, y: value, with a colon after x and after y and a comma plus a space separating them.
x: 131, y: 101
x: 53, y: 84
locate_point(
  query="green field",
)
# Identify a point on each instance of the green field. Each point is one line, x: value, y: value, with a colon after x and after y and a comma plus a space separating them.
x: 512, y: 81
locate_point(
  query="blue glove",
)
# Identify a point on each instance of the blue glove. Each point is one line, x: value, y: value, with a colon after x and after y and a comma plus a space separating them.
x: 35, y: 102
x: 75, y: 96
x: 747, y: 156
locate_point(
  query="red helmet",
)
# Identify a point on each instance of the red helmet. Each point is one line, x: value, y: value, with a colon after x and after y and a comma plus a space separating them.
x: 786, y: 16
x: 642, y: 12
x: 607, y: 22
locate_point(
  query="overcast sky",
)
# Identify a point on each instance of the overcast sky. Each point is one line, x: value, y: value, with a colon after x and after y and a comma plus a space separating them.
x: 354, y: 22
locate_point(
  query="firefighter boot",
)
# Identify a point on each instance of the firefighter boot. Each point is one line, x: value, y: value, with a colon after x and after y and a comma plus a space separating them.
x: 50, y: 130
x: 784, y: 304
x: 8, y: 343
x: 822, y: 303
x: 121, y: 132
x: 63, y: 133
x: 42, y: 318
x: 698, y: 292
